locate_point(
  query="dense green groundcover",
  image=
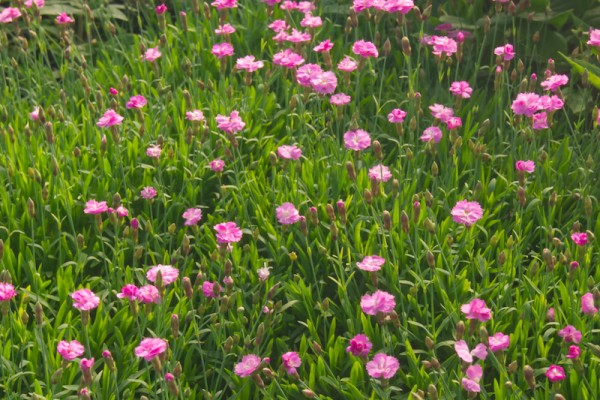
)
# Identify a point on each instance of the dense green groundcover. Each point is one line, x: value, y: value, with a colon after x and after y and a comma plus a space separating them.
x: 500, y: 305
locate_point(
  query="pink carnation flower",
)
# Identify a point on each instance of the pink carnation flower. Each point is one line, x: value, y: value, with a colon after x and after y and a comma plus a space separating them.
x: 38, y: 3
x: 306, y: 73
x: 463, y: 352
x: 291, y: 361
x: 382, y: 366
x: 208, y: 289
x: 217, y: 165
x: 443, y: 44
x: 109, y: 118
x: 9, y: 14
x: 466, y: 212
x: 526, y: 166
x: 231, y: 124
x: 507, y: 52
x: 247, y: 366
x: 148, y: 193
x: 150, y: 348
x: 587, y: 304
x: 222, y: 50
x: 192, y: 216
x: 526, y: 104
x: 471, y: 382
x: 555, y: 373
x: 85, y: 299
x: 287, y: 214
x: 228, y: 232
x: 498, y: 342
x: 153, y: 151
x: 324, y: 82
x: 340, y: 99
x: 167, y: 273
x: 432, y: 133
x: 540, y: 121
x: 347, y: 64
x: 289, y: 152
x: 371, y: 263
x: 288, y: 59
x: 570, y: 334
x: 70, y: 350
x: 594, y: 38
x: 554, y: 82
x: 357, y: 140
x: 222, y: 4
x: 95, y: 207
x: 195, y: 115
x: 441, y: 112
x: 380, y: 301
x: 225, y: 29
x: 365, y: 49
x: 151, y: 54
x: 476, y: 309
x: 396, y: 116
x: 311, y: 21
x: 248, y: 64
x: 128, y: 291
x: 148, y: 294
x: 64, y: 19
x: 380, y: 173
x: 580, y: 238
x: 324, y: 46
x: 574, y: 352
x: 138, y: 101
x: 461, y: 89
x: 360, y: 346
x: 7, y: 291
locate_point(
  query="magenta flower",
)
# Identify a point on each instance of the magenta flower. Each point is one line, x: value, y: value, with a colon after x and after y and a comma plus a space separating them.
x: 70, y: 350
x: 580, y: 238
x: 507, y: 52
x: 298, y: 37
x: 574, y: 352
x: 340, y: 99
x: 380, y: 173
x: 498, y: 342
x: 396, y: 116
x: 289, y: 152
x: 228, y: 232
x: 463, y: 352
x: 526, y: 166
x: 9, y: 14
x: 148, y: 193
x: 365, y: 49
x: 377, y: 302
x: 153, y: 151
x: 476, y: 309
x: 225, y: 29
x: 85, y: 299
x: 291, y: 360
x: 160, y: 9
x: 454, y: 123
x: 570, y: 334
x: 195, y: 115
x: 587, y: 304
x: 347, y: 64
x: 95, y: 207
x: 594, y: 38
x: 167, y: 272
x: 150, y: 348
x: 38, y: 3
x: 86, y: 364
x: 151, y: 54
x: 222, y: 50
x: 526, y: 104
x: 7, y: 291
x: 64, y: 19
x: 540, y: 121
x: 148, y: 294
x: 554, y: 82
x: 129, y: 292
x: 288, y: 59
x: 221, y: 4
x: 248, y: 64
x: 287, y: 214
x: 360, y: 346
x: 357, y: 140
x: 555, y: 373
x: 231, y: 124
x: 138, y: 101
x: 382, y: 366
x: 122, y: 212
x: 471, y: 382
x: 371, y: 263
x: 306, y: 73
x: 109, y: 119
x: 247, y: 366
x: 461, y: 89
x: 217, y: 165
x: 466, y: 212
x: 323, y: 47
x: 279, y: 25
x: 433, y: 133
x: 35, y: 114
x: 208, y: 289
x: 192, y: 216
x: 441, y: 112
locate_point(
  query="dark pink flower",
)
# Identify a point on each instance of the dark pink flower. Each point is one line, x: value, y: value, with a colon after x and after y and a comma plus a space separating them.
x: 360, y: 346
x: 221, y: 4
x: 570, y: 334
x: 555, y: 373
x: 128, y: 291
x: 461, y: 89
x: 324, y: 46
x: 228, y: 232
x: 526, y: 104
x: 64, y: 19
x: 9, y: 14
x: 574, y: 352
x: 217, y: 165
x: 210, y: 289
x: 291, y: 361
x: 540, y: 121
x: 248, y: 64
x: 554, y: 82
x: 382, y: 366
x: 526, y: 166
x: 150, y: 348
x: 594, y: 38
x: 289, y: 152
x: 288, y: 59
x: 138, y: 101
x: 148, y: 294
x: 507, y: 52
x: 110, y: 118
x: 7, y: 291
x: 160, y: 9
x: 477, y: 309
x: 225, y: 29
x: 396, y: 116
x: 38, y: 3
x: 580, y: 238
x: 148, y: 193
x: 588, y: 306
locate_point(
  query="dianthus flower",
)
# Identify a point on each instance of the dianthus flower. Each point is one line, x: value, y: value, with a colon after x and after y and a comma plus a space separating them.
x: 217, y: 165
x: 570, y: 334
x: 323, y: 47
x: 128, y: 291
x: 289, y: 152
x: 148, y: 294
x: 461, y: 89
x: 288, y: 59
x: 247, y: 366
x: 228, y: 232
x: 526, y: 104
x: 580, y: 238
x: 498, y: 342
x: 222, y: 50
x: 150, y: 348
x: 287, y: 214
x: 64, y: 19
x: 340, y: 99
x: 471, y: 382
x: 396, y: 116
x: 95, y: 207
x: 138, y: 101
x: 507, y: 52
x: 443, y: 44
x: 441, y: 112
x: 347, y: 64
x: 380, y: 301
x: 382, y: 366
x: 153, y: 151
x: 587, y: 304
x: 306, y: 73
x: 192, y: 216
x: 476, y: 309
x: 9, y: 14
x: 432, y: 133
x: 466, y: 212
x: 357, y: 140
x: 167, y: 273
x: 291, y: 361
x: 231, y: 124
x: 248, y: 64
x: 148, y: 193
x: 110, y: 118
x: 195, y: 115
x: 85, y: 299
x: 594, y: 38
x: 380, y: 173
x: 371, y: 263
x: 324, y: 83
x: 7, y: 291
x: 526, y: 166
x: 210, y: 289
x: 463, y: 352
x: 70, y: 350
x: 555, y: 373
x: 365, y: 49
x: 151, y: 54
x: 360, y: 346
x: 554, y: 82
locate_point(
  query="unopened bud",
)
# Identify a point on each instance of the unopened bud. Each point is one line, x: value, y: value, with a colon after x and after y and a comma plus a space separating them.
x: 387, y: 220
x: 351, y: 172
x: 406, y: 49
x: 460, y: 330
x: 377, y: 150
x: 429, y: 225
x: 529, y: 376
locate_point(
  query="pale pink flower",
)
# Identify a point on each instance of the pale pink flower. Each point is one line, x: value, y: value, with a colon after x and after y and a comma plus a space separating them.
x: 151, y: 54
x: 298, y: 37
x: 550, y: 103
x: 35, y: 114
x: 153, y: 151
x: 380, y: 173
x: 471, y: 382
x: 306, y: 73
x: 263, y: 273
x: 360, y: 346
x: 396, y: 116
x: 466, y: 212
x: 289, y: 152
x: 128, y: 291
x: 138, y: 101
x: 540, y: 121
x: 357, y: 140
x: 580, y: 238
x: 499, y: 341
x: 305, y: 7
x: 231, y: 124
x: 7, y: 291
x: 247, y: 366
x: 248, y: 64
x: 476, y: 309
x: 555, y: 373
x: 228, y: 232
x: 38, y: 3
x: 507, y: 52
x: 167, y: 273
x: 217, y: 165
x: 463, y: 352
x: 150, y: 348
x: 192, y: 216
x: 526, y: 104
x: 587, y: 304
x: 365, y: 49
x: 570, y: 334
x: 109, y: 118
x: 398, y: 6
x: 526, y: 166
x: 594, y: 38
x: 279, y: 25
x: 461, y: 89
x: 443, y: 44
x: 441, y: 112
x: 195, y: 115
x: 287, y: 214
x: 148, y: 294
x: 380, y: 301
x: 347, y: 64
x: 85, y: 299
x: 64, y: 19
x: 95, y: 207
x: 122, y: 212
x: 324, y: 83
x: 221, y: 4
x: 222, y: 50
x: 225, y: 29
x: 432, y: 133
x: 574, y: 352
x: 208, y: 289
x: 371, y: 263
x: 70, y: 350
x: 288, y: 59
x: 9, y: 14
x: 361, y: 5
x: 311, y: 21
x: 554, y: 82
x: 340, y: 99
x: 291, y: 361
x: 382, y: 366
x: 550, y: 314
x: 148, y: 193
x: 323, y: 47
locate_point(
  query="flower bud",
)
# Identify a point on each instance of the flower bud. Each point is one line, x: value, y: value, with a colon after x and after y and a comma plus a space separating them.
x: 460, y: 330
x: 351, y: 172
x: 529, y: 376
x: 404, y: 222
x: 406, y: 49
x: 387, y: 220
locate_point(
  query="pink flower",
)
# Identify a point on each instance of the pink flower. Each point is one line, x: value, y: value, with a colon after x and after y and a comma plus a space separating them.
x: 192, y: 216
x: 380, y: 173
x: 371, y: 263
x: 306, y: 73
x: 109, y: 118
x: 507, y: 52
x: 471, y: 383
x: 554, y: 82
x: 151, y: 54
x: 323, y: 47
x: 347, y: 64
x: 499, y: 341
x: 540, y: 121
x: 382, y: 366
x: 113, y: 91
x: 247, y: 366
x: 463, y: 352
x: 454, y: 123
x: 291, y: 361
x: 466, y: 212
x: 228, y: 232
x: 570, y: 334
x: 217, y: 165
x: 95, y: 207
x: 35, y: 114
x: 167, y: 272
x: 298, y: 36
x: 222, y: 50
x: 128, y: 291
x: 526, y: 104
x: 160, y: 9
x: 574, y: 352
x: 279, y: 25
x: 64, y: 19
x: 221, y: 4
x: 580, y: 238
x: 594, y: 38
x: 287, y: 214
x: 86, y: 364
x: 289, y: 152
x: 195, y: 115
x: 365, y: 49
x: 150, y: 348
x: 248, y: 64
x: 324, y: 83
x: 432, y: 133
x: 288, y: 59
x: 85, y: 299
x: 379, y: 301
x: 443, y: 44
x: 550, y: 314
x: 225, y: 29
x: 461, y: 89
x: 38, y: 3
x: 263, y: 273
x: 148, y: 294
x: 208, y: 289
x: 441, y: 112
x: 311, y: 21
x: 7, y: 291
x: 340, y: 99
x: 398, y: 6
x: 148, y: 193
x: 70, y: 350
x: 9, y: 14
x: 555, y: 373
x: 527, y: 166
x: 138, y: 101
x: 153, y: 151
x: 231, y: 124
x: 396, y: 116
x: 587, y: 304
x: 476, y: 309
x: 360, y: 346
x: 357, y: 140
x: 550, y: 103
